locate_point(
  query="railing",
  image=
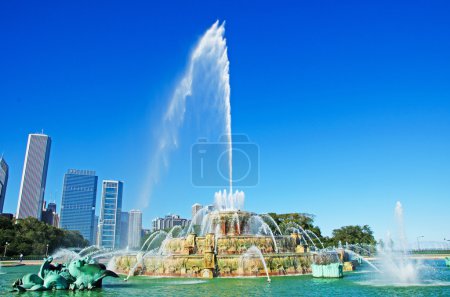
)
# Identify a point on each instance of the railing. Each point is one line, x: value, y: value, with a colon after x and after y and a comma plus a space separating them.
x: 433, y: 252
x: 17, y: 258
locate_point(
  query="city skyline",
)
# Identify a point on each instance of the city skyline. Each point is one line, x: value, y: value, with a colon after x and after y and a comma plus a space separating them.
x: 346, y: 110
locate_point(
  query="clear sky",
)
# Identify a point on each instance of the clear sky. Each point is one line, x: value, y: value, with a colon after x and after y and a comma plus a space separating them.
x: 348, y: 101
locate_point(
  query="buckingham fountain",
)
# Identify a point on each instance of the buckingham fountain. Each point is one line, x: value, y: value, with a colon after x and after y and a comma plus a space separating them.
x: 224, y: 242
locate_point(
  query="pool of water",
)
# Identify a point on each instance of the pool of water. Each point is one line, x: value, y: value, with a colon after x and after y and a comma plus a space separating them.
x: 434, y: 281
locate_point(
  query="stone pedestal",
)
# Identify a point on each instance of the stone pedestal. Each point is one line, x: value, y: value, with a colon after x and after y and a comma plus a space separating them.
x: 348, y: 266
x: 301, y: 249
x: 207, y: 273
x: 189, y: 244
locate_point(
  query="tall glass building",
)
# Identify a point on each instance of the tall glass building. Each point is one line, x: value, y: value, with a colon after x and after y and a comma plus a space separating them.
x: 124, y: 218
x: 111, y: 208
x: 34, y: 177
x: 4, y: 172
x: 78, y: 202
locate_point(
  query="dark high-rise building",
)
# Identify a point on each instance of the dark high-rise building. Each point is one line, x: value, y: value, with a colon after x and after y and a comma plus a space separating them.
x: 34, y: 177
x: 4, y: 172
x: 49, y: 215
x: 78, y: 202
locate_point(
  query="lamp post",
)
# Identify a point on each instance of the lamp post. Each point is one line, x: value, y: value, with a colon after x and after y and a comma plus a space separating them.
x: 46, y: 252
x: 6, y: 245
x: 418, y: 242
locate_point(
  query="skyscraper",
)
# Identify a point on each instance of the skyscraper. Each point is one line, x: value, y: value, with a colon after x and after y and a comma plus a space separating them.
x: 78, y: 202
x: 4, y: 172
x: 111, y: 208
x: 124, y: 218
x: 49, y: 215
x: 34, y: 176
x: 195, y: 208
x: 135, y: 229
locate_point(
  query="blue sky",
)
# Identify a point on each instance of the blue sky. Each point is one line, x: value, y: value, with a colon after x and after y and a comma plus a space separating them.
x: 348, y: 101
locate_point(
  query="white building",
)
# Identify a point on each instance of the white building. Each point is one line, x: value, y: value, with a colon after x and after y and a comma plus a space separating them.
x: 195, y: 209
x: 169, y: 221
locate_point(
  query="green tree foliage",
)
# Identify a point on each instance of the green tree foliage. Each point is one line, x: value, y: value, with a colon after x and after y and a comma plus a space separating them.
x: 288, y: 221
x: 30, y: 237
x: 349, y: 234
x: 353, y: 235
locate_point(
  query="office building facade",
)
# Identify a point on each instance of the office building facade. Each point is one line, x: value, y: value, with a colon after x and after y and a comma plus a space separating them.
x: 34, y: 177
x: 135, y: 229
x: 111, y: 208
x: 124, y: 219
x: 195, y: 209
x: 78, y: 202
x: 4, y: 173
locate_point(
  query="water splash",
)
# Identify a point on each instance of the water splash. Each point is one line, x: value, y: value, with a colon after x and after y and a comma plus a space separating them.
x: 229, y: 201
x: 254, y: 252
x: 65, y: 254
x: 395, y: 263
x: 205, y: 84
x: 316, y: 237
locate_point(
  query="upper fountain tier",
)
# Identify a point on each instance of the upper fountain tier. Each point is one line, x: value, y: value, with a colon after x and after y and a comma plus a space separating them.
x: 229, y: 201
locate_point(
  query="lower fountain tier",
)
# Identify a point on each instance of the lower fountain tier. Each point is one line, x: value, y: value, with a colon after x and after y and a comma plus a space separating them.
x: 210, y: 265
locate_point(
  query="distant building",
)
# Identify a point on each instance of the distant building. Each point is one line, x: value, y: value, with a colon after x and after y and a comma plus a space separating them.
x: 96, y: 230
x: 49, y: 215
x: 34, y: 177
x: 124, y: 222
x: 195, y: 209
x: 52, y: 206
x: 135, y: 229
x: 9, y: 216
x: 55, y: 220
x: 169, y: 221
x: 111, y: 208
x: 78, y: 202
x: 145, y: 232
x: 4, y: 172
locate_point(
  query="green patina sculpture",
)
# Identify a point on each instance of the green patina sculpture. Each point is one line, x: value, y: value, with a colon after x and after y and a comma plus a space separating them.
x: 78, y: 274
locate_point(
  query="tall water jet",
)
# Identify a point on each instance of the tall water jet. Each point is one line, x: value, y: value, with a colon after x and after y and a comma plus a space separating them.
x: 205, y: 84
x: 229, y: 201
x: 396, y: 265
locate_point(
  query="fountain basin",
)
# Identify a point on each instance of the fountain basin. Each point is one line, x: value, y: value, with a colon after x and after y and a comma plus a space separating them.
x: 199, y: 266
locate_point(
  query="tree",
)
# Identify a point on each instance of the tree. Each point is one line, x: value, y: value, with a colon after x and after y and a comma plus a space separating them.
x: 29, y: 236
x: 353, y: 234
x: 290, y: 221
